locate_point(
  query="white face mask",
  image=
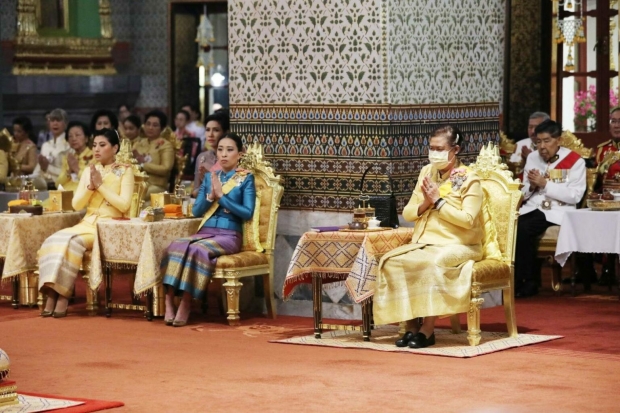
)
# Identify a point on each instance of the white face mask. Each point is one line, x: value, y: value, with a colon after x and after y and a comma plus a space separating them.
x: 439, y: 159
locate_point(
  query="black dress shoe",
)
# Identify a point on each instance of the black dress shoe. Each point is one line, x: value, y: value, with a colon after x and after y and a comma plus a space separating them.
x: 421, y: 341
x: 405, y: 339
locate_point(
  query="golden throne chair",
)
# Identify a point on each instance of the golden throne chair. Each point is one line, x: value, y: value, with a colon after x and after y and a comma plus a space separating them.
x: 259, y: 236
x: 548, y: 241
x: 503, y: 196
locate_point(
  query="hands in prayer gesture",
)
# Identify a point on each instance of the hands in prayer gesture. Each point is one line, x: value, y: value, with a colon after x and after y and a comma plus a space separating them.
x: 430, y: 190
x: 43, y: 163
x: 525, y: 151
x: 216, y: 187
x: 74, y: 164
x: 95, y: 179
x: 537, y: 180
x: 138, y: 157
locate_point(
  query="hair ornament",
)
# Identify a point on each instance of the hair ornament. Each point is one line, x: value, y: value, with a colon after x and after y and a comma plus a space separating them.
x: 456, y: 141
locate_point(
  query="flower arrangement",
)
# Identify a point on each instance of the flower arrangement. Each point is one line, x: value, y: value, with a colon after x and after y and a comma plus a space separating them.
x: 585, y: 108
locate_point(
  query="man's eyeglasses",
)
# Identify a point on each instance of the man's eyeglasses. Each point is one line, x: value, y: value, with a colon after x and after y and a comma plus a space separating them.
x: 615, y: 121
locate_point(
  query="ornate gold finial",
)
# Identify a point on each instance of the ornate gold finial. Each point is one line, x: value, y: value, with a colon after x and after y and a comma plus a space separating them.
x: 125, y: 156
x: 489, y: 161
x: 105, y: 19
x: 253, y: 157
x: 572, y: 142
x: 26, y: 18
x: 506, y: 144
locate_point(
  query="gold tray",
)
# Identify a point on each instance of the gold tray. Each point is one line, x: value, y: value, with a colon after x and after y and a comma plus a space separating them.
x: 365, y: 230
x: 603, y: 205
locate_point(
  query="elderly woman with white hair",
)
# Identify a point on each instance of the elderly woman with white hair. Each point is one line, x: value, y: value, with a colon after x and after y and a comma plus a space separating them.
x: 53, y: 151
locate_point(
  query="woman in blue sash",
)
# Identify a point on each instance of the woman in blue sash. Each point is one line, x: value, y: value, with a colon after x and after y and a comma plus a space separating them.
x: 226, y: 198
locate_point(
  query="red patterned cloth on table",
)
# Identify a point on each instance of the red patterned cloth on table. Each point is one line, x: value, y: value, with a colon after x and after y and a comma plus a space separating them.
x: 337, y: 256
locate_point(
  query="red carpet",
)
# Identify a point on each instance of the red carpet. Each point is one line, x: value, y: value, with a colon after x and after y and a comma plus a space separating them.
x: 88, y: 406
x: 211, y: 367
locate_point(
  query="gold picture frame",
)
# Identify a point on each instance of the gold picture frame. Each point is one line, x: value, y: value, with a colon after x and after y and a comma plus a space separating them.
x: 40, y: 52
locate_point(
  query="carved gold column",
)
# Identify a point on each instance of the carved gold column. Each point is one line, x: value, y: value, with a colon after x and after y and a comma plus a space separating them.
x: 106, y: 22
x: 26, y: 18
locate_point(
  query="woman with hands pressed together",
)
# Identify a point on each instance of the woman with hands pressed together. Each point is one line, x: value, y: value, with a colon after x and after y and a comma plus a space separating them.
x: 105, y: 190
x: 226, y: 198
x: 431, y: 276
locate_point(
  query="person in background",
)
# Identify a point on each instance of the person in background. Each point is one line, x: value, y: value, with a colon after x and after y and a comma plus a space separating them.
x: 217, y: 125
x: 124, y: 111
x: 526, y: 146
x: 52, y: 151
x: 544, y: 201
x: 105, y: 191
x: 154, y: 153
x: 103, y: 119
x: 131, y: 128
x: 25, y: 155
x: 77, y: 158
x: 44, y: 134
x: 181, y: 120
x: 194, y: 124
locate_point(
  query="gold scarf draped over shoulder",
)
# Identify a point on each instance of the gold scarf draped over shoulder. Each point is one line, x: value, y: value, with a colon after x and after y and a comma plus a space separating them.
x: 235, y: 180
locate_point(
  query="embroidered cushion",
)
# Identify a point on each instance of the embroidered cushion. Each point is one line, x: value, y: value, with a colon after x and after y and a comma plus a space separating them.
x: 242, y: 259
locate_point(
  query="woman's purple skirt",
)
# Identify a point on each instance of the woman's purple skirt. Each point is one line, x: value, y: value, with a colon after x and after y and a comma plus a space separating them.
x: 189, y: 262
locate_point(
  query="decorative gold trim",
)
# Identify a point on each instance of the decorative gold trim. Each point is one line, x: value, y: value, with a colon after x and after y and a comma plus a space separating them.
x: 48, y: 55
x: 105, y: 12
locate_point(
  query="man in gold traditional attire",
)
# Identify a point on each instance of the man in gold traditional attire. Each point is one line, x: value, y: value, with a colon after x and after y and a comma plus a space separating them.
x: 431, y: 276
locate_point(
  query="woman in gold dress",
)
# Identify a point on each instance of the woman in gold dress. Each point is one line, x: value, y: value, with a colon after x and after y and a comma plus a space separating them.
x: 431, y: 276
x: 25, y: 155
x: 154, y: 153
x: 105, y: 190
x: 77, y: 158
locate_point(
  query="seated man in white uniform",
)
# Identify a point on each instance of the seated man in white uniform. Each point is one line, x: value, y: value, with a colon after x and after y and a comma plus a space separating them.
x: 544, y: 201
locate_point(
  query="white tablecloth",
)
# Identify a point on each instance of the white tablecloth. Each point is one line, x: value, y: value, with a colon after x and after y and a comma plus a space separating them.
x: 584, y: 230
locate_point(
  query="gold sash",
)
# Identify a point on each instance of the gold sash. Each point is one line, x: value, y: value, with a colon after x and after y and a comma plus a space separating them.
x: 226, y: 188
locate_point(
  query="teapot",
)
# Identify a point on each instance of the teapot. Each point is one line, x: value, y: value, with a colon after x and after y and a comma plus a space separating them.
x: 358, y: 225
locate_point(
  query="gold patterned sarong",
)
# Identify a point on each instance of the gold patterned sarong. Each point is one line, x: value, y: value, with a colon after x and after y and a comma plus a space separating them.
x: 60, y: 257
x: 418, y: 280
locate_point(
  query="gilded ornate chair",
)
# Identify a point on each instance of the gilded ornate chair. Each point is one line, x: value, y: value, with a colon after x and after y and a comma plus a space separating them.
x: 503, y: 197
x: 549, y: 240
x: 259, y: 236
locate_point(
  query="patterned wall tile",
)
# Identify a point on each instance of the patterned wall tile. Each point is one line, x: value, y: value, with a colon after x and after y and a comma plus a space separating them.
x: 321, y: 152
x: 445, y: 52
x: 526, y: 94
x: 8, y: 19
x: 150, y: 50
x: 306, y: 51
x: 121, y: 19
